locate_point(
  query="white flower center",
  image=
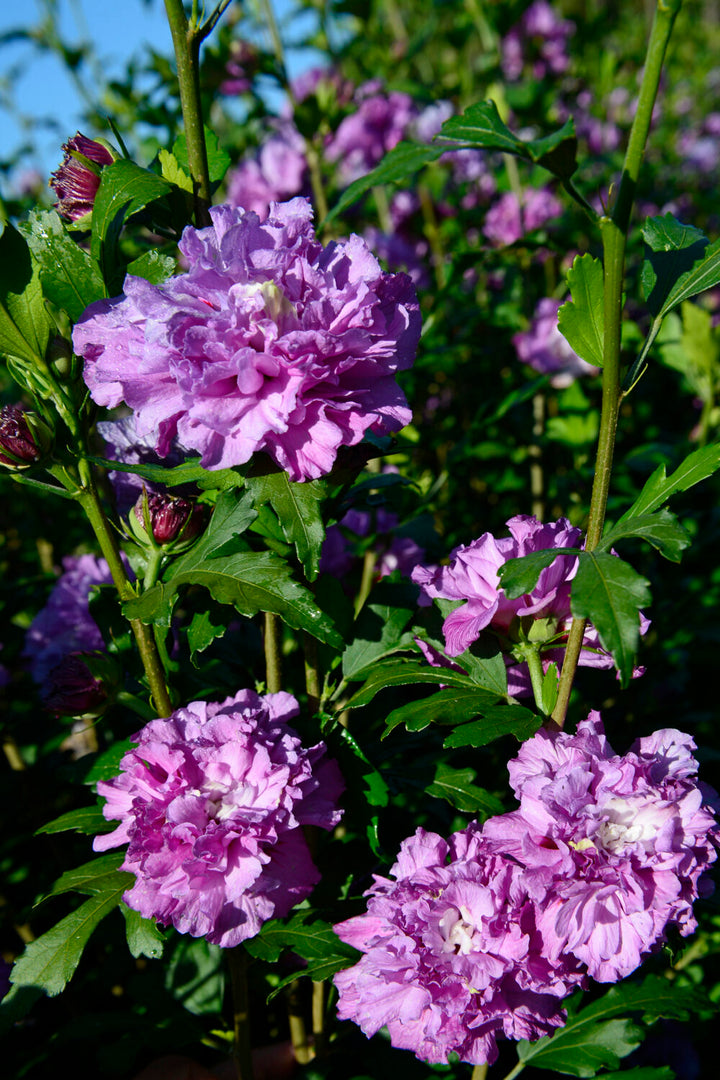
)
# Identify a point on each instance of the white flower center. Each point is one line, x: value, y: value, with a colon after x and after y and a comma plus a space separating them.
x: 629, y: 821
x: 457, y: 929
x: 277, y: 305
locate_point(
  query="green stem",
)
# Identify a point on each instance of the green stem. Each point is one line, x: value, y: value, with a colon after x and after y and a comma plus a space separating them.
x: 614, y: 230
x: 273, y: 653
x: 186, y: 43
x: 238, y: 962
x: 534, y: 663
x: 516, y: 1071
x: 479, y: 1072
x: 312, y: 673
x: 88, y: 498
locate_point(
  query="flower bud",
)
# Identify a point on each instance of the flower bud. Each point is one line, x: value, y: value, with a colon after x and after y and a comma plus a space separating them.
x: 72, y: 688
x: 24, y: 437
x: 77, y: 178
x: 170, y: 518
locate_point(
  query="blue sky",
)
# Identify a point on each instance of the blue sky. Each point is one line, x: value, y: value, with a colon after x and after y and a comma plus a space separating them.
x: 118, y: 29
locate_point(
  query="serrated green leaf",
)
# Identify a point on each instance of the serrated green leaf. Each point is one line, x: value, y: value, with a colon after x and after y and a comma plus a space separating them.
x: 704, y: 274
x: 379, y: 630
x: 485, y: 666
x: 481, y: 126
x: 189, y: 472
x: 153, y: 266
x: 143, y: 936
x: 661, y: 529
x: 674, y: 250
x: 24, y: 322
x: 583, y: 1049
x: 125, y: 189
x: 100, y: 875
x: 456, y: 787
x: 659, y: 487
x: 444, y: 707
x: 195, y: 975
x: 299, y: 511
x: 399, y: 165
x: 202, y: 631
x: 173, y: 171
x: 404, y: 673
x: 50, y: 961
x: 494, y: 724
x: 313, y: 940
x: 68, y: 275
x: 155, y: 606
x: 591, y: 1039
x: 88, y: 819
x: 581, y: 319
x: 611, y: 594
x: 520, y: 576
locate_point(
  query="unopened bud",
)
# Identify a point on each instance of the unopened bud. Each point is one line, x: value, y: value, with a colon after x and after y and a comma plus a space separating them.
x: 170, y: 518
x: 72, y: 689
x: 76, y: 180
x: 24, y: 437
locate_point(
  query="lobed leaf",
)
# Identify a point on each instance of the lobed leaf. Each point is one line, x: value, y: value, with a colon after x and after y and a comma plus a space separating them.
x: 661, y: 529
x: 405, y: 673
x: 125, y: 189
x: 444, y: 707
x: 457, y: 787
x: 70, y: 278
x: 494, y: 724
x: 520, y: 576
x: 87, y: 819
x: 379, y: 629
x: 581, y: 319
x: 100, y: 875
x: 299, y: 510
x: 143, y: 936
x: 611, y: 594
x: 313, y: 940
x: 659, y: 487
x: 674, y: 250
x: 24, y: 321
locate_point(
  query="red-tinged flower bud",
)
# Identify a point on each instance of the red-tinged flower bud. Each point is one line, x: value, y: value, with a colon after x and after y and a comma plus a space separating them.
x: 76, y: 180
x: 170, y: 518
x: 72, y: 689
x: 24, y: 437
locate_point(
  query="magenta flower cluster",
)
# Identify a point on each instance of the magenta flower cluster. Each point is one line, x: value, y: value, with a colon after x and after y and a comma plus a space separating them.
x: 211, y: 802
x: 472, y: 576
x: 270, y: 342
x: 483, y: 937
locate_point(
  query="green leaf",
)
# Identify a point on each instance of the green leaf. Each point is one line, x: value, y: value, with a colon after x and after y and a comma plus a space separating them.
x: 611, y: 594
x: 107, y: 764
x: 399, y: 165
x: 444, y: 707
x: 485, y: 666
x: 520, y: 576
x: 88, y: 819
x: 68, y: 275
x: 143, y: 936
x: 218, y: 157
x: 24, y: 321
x: 299, y: 511
x: 313, y: 940
x: 674, y: 250
x: 496, y: 722
x: 97, y: 876
x: 581, y: 319
x: 593, y: 1038
x: 195, y: 975
x: 153, y: 266
x: 202, y: 631
x: 661, y: 529
x: 659, y: 487
x: 644, y: 1072
x: 704, y: 274
x: 190, y: 472
x: 457, y: 787
x: 379, y: 628
x: 49, y: 962
x: 125, y: 189
x: 173, y: 171
x: 480, y: 126
x: 404, y: 673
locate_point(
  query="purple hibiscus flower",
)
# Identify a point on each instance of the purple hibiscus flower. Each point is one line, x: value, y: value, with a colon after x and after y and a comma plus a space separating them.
x: 612, y: 848
x: 270, y: 342
x: 211, y: 802
x: 453, y: 959
x: 472, y: 576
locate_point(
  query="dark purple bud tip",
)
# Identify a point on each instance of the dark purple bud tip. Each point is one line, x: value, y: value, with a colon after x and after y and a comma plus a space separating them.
x: 77, y: 178
x: 170, y: 518
x: 72, y: 689
x: 24, y: 438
